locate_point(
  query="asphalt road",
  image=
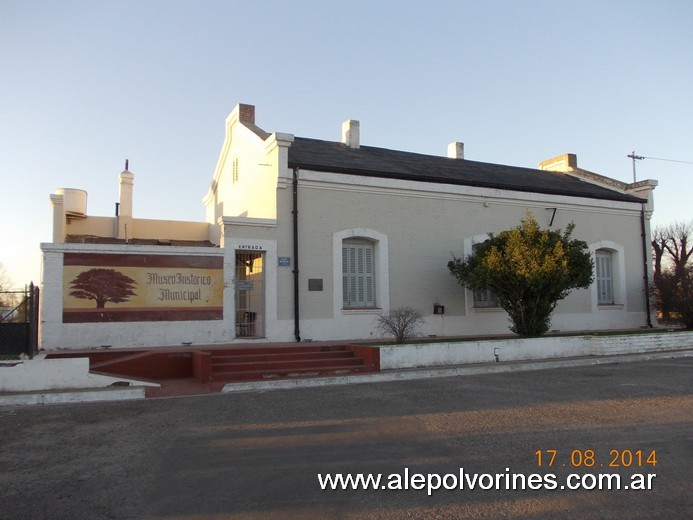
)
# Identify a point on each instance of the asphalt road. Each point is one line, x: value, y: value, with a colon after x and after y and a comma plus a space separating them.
x: 258, y: 455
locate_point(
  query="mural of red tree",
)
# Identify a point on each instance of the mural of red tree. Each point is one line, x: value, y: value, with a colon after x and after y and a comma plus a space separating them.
x: 102, y: 286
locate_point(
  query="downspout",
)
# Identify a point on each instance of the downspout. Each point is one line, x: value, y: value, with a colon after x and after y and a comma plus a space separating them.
x: 297, y: 330
x: 115, y: 220
x: 646, y: 274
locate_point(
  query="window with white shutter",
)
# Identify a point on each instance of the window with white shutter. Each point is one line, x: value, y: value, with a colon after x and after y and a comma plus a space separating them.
x: 605, y: 278
x: 358, y: 274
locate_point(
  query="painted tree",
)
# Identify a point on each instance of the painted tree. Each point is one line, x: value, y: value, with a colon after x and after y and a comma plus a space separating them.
x: 530, y: 270
x: 102, y: 286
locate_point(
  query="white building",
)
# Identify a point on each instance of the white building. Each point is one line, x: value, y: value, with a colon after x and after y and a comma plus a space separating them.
x: 312, y: 239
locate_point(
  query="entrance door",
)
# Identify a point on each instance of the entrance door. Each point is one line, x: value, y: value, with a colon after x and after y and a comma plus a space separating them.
x: 250, y: 294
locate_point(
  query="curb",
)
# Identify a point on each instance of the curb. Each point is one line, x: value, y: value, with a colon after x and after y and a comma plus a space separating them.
x: 72, y: 396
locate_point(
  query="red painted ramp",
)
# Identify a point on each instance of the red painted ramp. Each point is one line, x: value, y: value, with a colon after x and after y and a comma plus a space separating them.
x: 188, y: 371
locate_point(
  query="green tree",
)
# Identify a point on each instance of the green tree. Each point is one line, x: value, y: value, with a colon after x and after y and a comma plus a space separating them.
x: 530, y: 270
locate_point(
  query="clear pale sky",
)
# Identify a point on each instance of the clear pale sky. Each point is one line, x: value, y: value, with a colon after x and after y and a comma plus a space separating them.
x: 86, y: 84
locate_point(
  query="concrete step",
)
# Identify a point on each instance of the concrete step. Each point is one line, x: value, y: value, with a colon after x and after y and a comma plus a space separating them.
x: 282, y: 364
x: 288, y: 372
x: 262, y: 363
x: 284, y: 356
x: 249, y: 351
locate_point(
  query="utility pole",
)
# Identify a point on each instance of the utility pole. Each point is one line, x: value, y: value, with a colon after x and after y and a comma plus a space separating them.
x: 635, y: 157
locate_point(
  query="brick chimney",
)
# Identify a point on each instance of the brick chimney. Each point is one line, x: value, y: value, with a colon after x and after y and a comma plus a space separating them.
x: 350, y: 133
x: 246, y: 113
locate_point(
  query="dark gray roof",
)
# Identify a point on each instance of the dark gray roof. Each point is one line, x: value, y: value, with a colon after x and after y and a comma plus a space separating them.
x: 336, y: 157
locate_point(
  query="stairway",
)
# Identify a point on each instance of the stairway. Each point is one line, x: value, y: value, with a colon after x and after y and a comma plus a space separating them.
x: 280, y: 362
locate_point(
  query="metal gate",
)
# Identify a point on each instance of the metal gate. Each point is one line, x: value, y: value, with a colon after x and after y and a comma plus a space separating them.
x: 250, y: 295
x: 19, y: 319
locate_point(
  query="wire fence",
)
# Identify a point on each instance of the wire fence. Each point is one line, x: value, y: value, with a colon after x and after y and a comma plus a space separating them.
x: 19, y: 323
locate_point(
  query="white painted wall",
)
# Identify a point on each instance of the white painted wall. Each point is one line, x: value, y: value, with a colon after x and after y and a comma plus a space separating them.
x: 54, y: 334
x: 397, y: 357
x: 420, y: 226
x: 245, y: 178
x: 54, y: 374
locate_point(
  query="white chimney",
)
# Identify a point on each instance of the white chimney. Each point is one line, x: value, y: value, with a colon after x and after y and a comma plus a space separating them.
x: 125, y: 204
x: 563, y: 163
x: 59, y: 220
x: 456, y: 150
x: 350, y: 133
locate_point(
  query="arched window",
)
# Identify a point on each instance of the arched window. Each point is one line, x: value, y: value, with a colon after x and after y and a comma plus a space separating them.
x: 603, y: 259
x: 358, y: 274
x: 361, y: 277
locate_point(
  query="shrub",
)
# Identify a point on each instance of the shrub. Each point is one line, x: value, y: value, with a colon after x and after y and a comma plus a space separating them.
x: 402, y: 323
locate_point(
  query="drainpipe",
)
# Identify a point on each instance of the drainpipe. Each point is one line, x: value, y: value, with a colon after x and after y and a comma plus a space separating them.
x: 645, y: 276
x: 297, y: 330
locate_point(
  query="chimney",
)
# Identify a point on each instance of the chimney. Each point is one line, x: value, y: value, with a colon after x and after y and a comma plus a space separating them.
x: 246, y: 113
x: 456, y: 150
x: 350, y: 133
x: 563, y: 163
x: 125, y: 204
x: 59, y: 220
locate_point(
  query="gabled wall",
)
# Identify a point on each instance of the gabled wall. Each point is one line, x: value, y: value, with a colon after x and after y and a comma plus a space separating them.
x: 246, y: 175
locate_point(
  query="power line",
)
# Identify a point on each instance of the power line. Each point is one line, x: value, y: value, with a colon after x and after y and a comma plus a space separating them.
x: 668, y: 160
x: 641, y: 157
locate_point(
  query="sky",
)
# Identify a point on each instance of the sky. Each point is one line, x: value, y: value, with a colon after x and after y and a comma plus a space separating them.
x: 85, y: 85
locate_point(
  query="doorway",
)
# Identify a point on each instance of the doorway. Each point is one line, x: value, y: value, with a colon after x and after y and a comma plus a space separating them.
x: 250, y: 294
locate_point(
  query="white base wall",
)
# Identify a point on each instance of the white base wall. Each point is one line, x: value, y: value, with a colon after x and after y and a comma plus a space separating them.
x: 54, y: 374
x: 394, y: 357
x: 134, y: 334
